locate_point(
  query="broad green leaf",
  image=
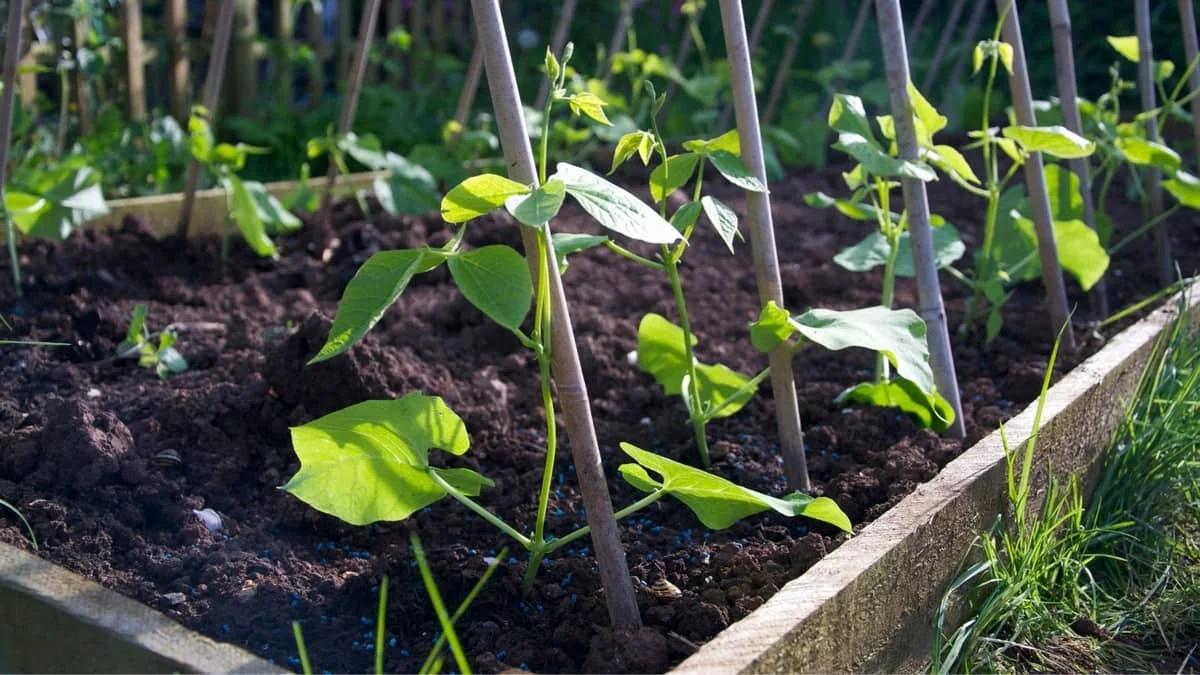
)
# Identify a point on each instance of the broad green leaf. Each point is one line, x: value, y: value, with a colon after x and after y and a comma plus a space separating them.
x: 662, y: 354
x: 877, y: 162
x: 566, y: 243
x: 1062, y: 185
x: 614, y: 208
x: 478, y: 196
x: 496, y: 280
x: 1079, y: 249
x: 734, y: 171
x: 1126, y: 45
x: 872, y: 252
x: 672, y: 175
x: 366, y: 150
x: 245, y: 213
x: 589, y: 105
x: 410, y: 190
x: 1184, y: 187
x: 772, y: 328
x: 717, y: 502
x: 898, y: 334
x: 1056, y: 141
x: 275, y: 218
x: 847, y: 115
x: 1148, y: 153
x: 638, y: 142
x: 538, y: 207
x: 370, y: 462
x: 930, y: 118
x: 723, y: 219
x: 927, y: 412
x: 950, y: 160
x: 376, y: 285
x: 61, y: 207
x: 686, y: 216
x: 729, y: 142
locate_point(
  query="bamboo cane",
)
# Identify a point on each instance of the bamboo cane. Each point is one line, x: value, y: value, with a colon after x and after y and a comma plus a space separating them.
x: 916, y: 204
x: 617, y: 43
x: 212, y: 97
x: 316, y: 41
x: 285, y: 30
x: 135, y: 63
x: 12, y: 56
x: 1187, y: 19
x: 466, y: 98
x: 179, y: 67
x: 366, y: 28
x: 949, y: 34
x: 756, y: 33
x: 968, y: 38
x: 851, y: 47
x: 1154, y: 190
x: 684, y: 51
x: 568, y: 375
x: 562, y: 30
x: 1064, y: 59
x: 918, y: 26
x: 1035, y: 179
x: 762, y: 241
x: 345, y: 40
x: 783, y: 73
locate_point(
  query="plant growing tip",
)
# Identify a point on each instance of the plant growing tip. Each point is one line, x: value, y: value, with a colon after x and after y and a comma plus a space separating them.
x: 138, y: 343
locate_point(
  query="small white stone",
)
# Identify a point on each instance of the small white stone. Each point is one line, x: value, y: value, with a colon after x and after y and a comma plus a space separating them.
x: 210, y: 518
x: 645, y: 421
x: 489, y: 560
x: 632, y: 357
x: 175, y: 598
x: 93, y: 393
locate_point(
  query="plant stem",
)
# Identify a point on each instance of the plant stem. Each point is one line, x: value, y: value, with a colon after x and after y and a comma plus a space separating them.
x: 1145, y: 227
x: 626, y: 253
x: 562, y: 30
x: 882, y: 369
x: 753, y: 382
x: 12, y: 55
x: 585, y: 530
x: 1154, y: 191
x: 696, y: 406
x: 543, y: 359
x: 784, y: 70
x: 492, y: 518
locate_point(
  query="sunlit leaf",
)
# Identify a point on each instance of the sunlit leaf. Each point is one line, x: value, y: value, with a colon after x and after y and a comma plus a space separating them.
x: 662, y: 354
x: 478, y: 196
x: 1056, y: 141
x: 614, y: 208
x: 1126, y: 45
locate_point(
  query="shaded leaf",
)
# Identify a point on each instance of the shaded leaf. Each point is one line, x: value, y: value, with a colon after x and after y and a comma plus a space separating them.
x: 927, y: 412
x: 495, y: 279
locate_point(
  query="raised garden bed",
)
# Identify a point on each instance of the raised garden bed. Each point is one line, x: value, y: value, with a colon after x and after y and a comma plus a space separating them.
x: 84, y: 433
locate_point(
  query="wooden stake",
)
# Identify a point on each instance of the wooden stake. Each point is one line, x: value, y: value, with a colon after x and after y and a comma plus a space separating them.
x: 914, y: 33
x: 27, y: 70
x: 756, y: 33
x: 1154, y: 190
x: 762, y: 241
x: 968, y: 37
x: 179, y: 67
x: 285, y: 31
x: 568, y: 375
x: 135, y: 73
x: 1187, y: 19
x: 12, y: 56
x: 1064, y: 61
x: 617, y: 43
x: 916, y: 204
x: 562, y: 30
x: 242, y: 93
x: 212, y: 97
x: 851, y: 48
x: 83, y: 95
x: 1035, y: 179
x: 366, y: 28
x: 345, y: 40
x: 785, y: 63
x: 684, y: 52
x: 949, y: 34
x: 466, y: 98
x: 316, y: 71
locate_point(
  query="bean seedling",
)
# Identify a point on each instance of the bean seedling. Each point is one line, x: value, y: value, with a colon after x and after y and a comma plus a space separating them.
x: 139, y: 344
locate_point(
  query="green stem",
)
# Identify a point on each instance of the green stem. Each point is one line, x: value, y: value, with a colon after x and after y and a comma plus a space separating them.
x: 696, y: 406
x: 882, y: 368
x: 630, y: 255
x: 982, y: 275
x: 427, y: 667
x: 745, y: 388
x: 480, y: 511
x: 625, y: 512
x: 1129, y: 238
x: 10, y: 232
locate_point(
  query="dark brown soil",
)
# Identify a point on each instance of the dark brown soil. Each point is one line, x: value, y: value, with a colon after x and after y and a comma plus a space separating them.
x: 80, y: 433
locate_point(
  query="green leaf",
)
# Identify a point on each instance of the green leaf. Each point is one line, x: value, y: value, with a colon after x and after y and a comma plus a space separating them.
x: 927, y: 412
x: 376, y: 285
x: 589, y: 105
x: 370, y: 462
x: 496, y: 280
x: 366, y: 150
x: 1148, y: 153
x: 410, y: 190
x: 734, y: 171
x: 879, y: 163
x: 551, y: 67
x: 847, y: 115
x: 639, y: 142
x: 614, y: 208
x: 872, y: 252
x: 538, y: 207
x: 1184, y: 187
x: 1062, y: 185
x: 930, y: 118
x: 728, y: 141
x: 1006, y: 56
x: 662, y: 354
x: 772, y: 328
x: 950, y: 160
x: 1057, y: 141
x: 672, y: 175
x: 1079, y: 249
x: 717, y: 502
x: 566, y: 243
x: 200, y: 137
x: 1126, y: 46
x: 478, y: 196
x: 62, y: 207
x: 686, y: 216
x: 723, y: 219
x: 271, y: 212
x: 245, y: 213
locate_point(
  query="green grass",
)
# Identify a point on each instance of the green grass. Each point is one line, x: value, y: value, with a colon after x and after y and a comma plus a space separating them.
x: 1112, y: 585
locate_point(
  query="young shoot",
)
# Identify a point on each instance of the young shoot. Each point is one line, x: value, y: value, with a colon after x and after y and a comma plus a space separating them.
x: 257, y: 213
x: 139, y: 343
x: 382, y: 448
x: 871, y: 182
x: 408, y: 189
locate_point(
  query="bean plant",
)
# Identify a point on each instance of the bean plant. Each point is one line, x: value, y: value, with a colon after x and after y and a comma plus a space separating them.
x: 382, y: 448
x: 871, y: 182
x: 407, y: 189
x: 139, y: 344
x: 257, y: 213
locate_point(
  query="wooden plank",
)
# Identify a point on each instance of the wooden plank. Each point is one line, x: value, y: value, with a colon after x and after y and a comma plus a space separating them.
x: 135, y: 64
